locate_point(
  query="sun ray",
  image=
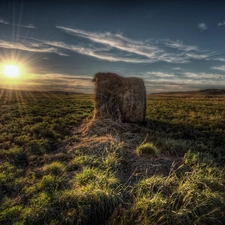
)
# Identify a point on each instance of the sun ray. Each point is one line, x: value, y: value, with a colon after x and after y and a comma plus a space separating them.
x: 2, y: 94
x: 20, y: 102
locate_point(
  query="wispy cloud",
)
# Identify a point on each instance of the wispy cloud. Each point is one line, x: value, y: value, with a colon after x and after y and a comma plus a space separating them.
x: 221, y: 68
x: 159, y: 75
x: 179, y: 45
x: 100, y: 53
x: 177, y: 68
x: 203, y: 76
x: 221, y: 24
x: 28, y: 46
x: 163, y: 85
x: 188, y: 81
x: 113, y: 47
x: 200, y: 56
x: 51, y: 82
x: 3, y: 21
x: 220, y: 59
x: 149, y: 53
x: 63, y: 82
x: 30, y: 26
x: 103, y: 46
x: 202, y: 26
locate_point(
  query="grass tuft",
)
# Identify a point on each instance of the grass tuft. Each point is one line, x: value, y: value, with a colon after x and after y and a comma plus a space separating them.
x: 55, y: 168
x: 197, y: 197
x: 147, y: 148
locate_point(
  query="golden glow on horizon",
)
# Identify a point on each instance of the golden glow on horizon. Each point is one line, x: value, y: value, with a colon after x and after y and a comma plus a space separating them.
x: 11, y: 71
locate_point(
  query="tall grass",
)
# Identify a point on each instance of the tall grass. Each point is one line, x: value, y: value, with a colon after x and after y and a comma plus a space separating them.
x: 192, y: 194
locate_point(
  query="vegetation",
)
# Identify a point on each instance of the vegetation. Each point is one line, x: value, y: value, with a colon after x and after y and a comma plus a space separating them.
x: 147, y: 148
x: 191, y: 194
x: 50, y: 174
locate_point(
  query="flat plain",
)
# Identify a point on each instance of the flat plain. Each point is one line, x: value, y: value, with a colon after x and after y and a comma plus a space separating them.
x: 58, y: 166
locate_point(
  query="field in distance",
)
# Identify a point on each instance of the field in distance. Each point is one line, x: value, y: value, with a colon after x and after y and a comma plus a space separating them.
x: 207, y: 93
x: 56, y: 167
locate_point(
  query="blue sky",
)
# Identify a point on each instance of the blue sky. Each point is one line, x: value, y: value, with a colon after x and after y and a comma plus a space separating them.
x: 60, y: 45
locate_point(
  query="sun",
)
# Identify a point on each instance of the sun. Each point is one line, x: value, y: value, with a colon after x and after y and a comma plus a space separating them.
x: 11, y: 71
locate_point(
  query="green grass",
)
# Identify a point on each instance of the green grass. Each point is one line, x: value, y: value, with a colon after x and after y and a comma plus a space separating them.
x: 43, y: 181
x: 189, y: 195
x: 147, y: 148
x: 55, y: 168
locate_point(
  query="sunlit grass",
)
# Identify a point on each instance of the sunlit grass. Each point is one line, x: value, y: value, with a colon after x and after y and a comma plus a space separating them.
x: 55, y: 168
x: 41, y: 182
x: 196, y: 197
x: 147, y: 148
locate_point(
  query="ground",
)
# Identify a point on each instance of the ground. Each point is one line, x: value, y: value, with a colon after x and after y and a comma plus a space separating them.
x: 60, y: 166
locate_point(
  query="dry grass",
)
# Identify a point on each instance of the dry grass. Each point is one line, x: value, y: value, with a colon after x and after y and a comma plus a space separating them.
x: 119, y: 98
x: 102, y: 127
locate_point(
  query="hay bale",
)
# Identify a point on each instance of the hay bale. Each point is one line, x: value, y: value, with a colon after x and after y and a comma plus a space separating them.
x: 118, y: 98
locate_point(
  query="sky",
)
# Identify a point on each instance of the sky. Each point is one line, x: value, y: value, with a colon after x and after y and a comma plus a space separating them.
x: 60, y: 45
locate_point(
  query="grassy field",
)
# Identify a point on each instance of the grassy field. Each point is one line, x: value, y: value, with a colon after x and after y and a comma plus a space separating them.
x: 58, y: 168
